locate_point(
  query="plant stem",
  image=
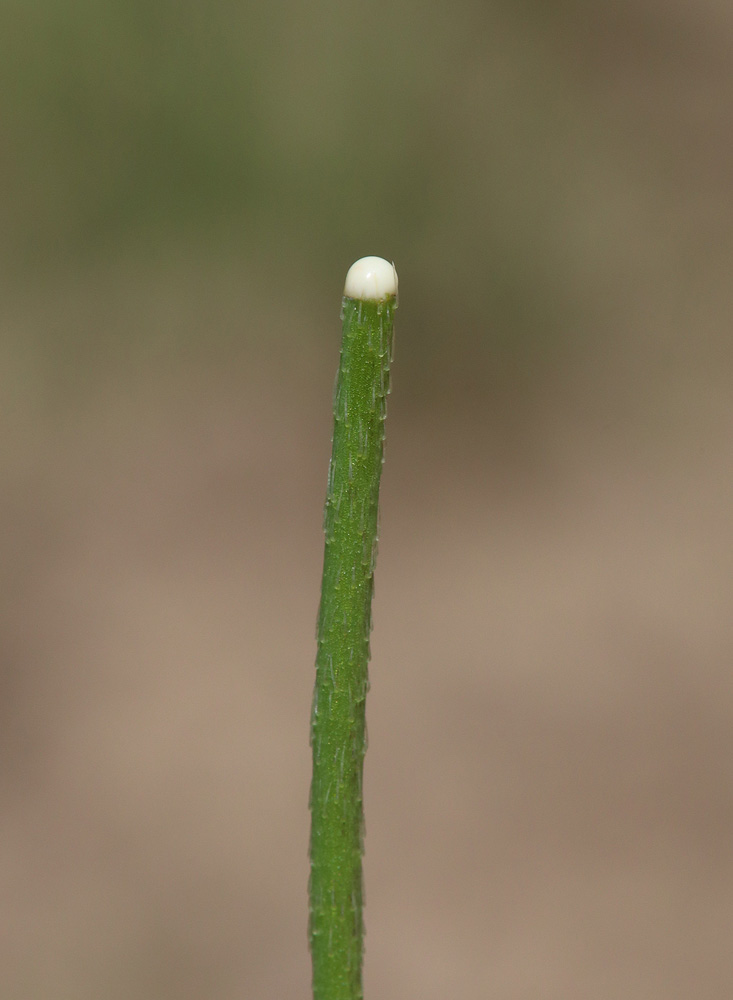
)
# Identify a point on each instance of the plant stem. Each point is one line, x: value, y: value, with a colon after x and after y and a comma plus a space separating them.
x: 338, y: 727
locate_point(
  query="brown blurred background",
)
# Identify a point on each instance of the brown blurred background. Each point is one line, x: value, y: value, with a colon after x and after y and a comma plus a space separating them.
x: 549, y: 785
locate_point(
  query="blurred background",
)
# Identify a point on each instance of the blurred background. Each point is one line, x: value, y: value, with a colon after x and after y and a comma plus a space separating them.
x: 549, y: 785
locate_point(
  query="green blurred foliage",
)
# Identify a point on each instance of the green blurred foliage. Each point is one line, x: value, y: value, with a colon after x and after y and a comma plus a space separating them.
x: 290, y: 139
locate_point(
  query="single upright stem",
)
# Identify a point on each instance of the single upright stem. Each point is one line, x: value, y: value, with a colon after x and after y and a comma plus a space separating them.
x: 338, y: 728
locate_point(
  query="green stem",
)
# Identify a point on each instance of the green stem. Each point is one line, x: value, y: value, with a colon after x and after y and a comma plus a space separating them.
x: 338, y: 728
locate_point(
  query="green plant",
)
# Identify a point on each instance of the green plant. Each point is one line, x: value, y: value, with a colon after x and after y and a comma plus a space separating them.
x: 338, y: 733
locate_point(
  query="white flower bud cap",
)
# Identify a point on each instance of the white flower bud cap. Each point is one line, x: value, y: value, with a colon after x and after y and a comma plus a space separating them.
x: 372, y: 278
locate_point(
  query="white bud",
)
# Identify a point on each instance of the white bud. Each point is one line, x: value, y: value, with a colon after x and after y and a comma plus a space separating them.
x: 371, y: 278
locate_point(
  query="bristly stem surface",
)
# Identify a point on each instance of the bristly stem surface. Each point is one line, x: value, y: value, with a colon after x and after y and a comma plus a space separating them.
x: 338, y: 727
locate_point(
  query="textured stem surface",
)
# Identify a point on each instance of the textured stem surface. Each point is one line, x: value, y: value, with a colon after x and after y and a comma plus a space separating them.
x: 338, y: 728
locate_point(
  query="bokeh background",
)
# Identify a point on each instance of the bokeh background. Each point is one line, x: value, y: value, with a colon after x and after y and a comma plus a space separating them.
x: 549, y: 785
